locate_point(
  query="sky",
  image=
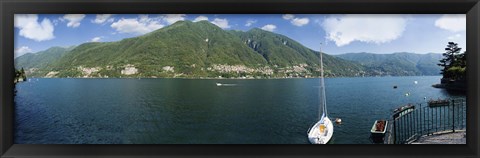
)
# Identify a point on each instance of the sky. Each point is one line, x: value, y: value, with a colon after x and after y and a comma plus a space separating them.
x: 332, y: 33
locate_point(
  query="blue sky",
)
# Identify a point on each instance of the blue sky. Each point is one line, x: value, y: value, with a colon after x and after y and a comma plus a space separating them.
x: 339, y: 33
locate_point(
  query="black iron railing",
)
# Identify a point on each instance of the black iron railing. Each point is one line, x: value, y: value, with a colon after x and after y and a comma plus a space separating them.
x: 426, y: 119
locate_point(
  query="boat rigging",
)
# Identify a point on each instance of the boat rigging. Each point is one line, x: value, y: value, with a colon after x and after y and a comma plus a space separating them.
x: 322, y: 131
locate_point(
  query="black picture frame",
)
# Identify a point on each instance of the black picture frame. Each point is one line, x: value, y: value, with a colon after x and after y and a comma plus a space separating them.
x: 10, y: 7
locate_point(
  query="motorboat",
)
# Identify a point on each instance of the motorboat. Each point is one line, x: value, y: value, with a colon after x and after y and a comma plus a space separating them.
x: 438, y: 102
x: 403, y: 110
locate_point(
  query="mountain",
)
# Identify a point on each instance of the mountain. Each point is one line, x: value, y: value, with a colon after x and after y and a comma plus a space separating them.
x: 181, y: 49
x: 32, y: 61
x: 281, y: 51
x: 204, y: 50
x: 397, y: 64
x: 192, y: 50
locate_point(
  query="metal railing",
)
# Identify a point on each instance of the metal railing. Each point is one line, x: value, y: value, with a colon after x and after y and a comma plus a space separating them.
x: 426, y: 119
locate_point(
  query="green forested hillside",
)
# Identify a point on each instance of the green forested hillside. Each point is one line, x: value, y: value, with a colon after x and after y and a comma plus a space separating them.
x: 282, y: 51
x: 31, y: 62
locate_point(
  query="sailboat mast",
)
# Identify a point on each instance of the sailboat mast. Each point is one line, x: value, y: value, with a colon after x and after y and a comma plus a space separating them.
x: 323, y: 104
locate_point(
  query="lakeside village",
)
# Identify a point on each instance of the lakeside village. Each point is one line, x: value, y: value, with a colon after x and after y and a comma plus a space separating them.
x: 222, y: 71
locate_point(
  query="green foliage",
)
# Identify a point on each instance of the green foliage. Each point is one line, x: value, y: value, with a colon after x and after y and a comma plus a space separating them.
x: 40, y: 60
x: 453, y: 62
x: 456, y: 72
x: 449, y: 57
x: 20, y: 75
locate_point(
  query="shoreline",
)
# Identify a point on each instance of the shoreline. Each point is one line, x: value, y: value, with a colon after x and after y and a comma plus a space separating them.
x: 451, y: 87
x: 274, y: 78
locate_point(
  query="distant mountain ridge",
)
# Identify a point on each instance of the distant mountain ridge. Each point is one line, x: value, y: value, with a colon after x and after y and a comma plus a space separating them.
x: 42, y: 58
x: 201, y: 50
x: 397, y: 64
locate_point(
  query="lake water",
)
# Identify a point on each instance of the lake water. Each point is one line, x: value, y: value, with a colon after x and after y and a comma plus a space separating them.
x: 186, y: 111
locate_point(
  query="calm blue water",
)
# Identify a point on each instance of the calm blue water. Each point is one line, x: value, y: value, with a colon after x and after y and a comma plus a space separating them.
x: 170, y: 111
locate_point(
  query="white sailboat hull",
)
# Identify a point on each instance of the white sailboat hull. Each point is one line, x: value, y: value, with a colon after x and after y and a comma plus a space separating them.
x: 315, y: 136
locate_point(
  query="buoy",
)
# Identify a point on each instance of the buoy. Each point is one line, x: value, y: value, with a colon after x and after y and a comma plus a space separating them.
x: 395, y: 87
x: 338, y: 121
x: 406, y: 94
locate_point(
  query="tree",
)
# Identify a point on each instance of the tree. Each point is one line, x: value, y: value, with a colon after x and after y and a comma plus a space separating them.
x: 456, y: 72
x: 22, y: 74
x: 458, y: 68
x: 443, y: 63
x: 454, y: 63
x: 450, y: 58
x: 462, y: 60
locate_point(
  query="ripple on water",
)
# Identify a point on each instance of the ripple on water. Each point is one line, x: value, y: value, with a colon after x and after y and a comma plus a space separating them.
x: 165, y: 111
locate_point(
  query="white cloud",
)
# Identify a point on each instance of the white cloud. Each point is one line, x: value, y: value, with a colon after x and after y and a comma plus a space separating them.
x: 96, y: 39
x: 453, y: 37
x: 296, y: 21
x: 144, y: 18
x: 55, y: 22
x: 30, y: 27
x: 269, y: 27
x: 172, y: 18
x: 288, y: 16
x: 73, y: 19
x: 377, y: 29
x: 141, y: 25
x: 22, y: 50
x: 250, y: 22
x: 200, y: 18
x: 102, y: 18
x: 222, y: 23
x: 452, y: 22
x: 300, y: 21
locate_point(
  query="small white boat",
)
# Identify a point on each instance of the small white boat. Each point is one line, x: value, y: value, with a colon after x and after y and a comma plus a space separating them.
x: 321, y: 132
x: 226, y: 84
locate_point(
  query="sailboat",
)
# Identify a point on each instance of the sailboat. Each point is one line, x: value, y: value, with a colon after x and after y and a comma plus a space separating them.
x: 322, y: 131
